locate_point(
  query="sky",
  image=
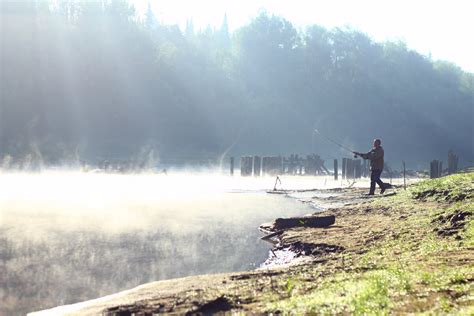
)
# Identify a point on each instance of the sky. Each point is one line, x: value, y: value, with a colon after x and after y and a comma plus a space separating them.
x: 439, y: 28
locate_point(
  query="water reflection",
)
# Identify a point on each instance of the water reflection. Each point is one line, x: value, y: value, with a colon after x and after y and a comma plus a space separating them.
x: 67, y: 237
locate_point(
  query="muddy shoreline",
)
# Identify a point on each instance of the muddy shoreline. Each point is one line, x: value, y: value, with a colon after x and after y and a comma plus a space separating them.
x: 288, y: 249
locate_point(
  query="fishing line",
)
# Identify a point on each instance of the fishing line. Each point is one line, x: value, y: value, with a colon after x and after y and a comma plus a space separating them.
x: 333, y: 141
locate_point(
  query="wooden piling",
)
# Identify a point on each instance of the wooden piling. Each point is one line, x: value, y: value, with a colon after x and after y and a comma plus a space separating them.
x: 349, y: 169
x: 279, y: 163
x: 231, y: 166
x: 365, y: 168
x: 246, y: 166
x: 272, y: 165
x: 335, y: 169
x: 436, y: 169
x: 354, y: 168
x: 433, y: 169
x: 257, y: 165
x: 452, y: 162
x: 358, y: 168
x: 265, y: 167
x: 404, y: 176
x: 344, y: 165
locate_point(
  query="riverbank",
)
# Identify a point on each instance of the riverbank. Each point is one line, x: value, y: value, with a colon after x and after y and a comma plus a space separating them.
x: 409, y: 252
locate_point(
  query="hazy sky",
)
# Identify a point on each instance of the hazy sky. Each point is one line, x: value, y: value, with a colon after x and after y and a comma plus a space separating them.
x: 443, y: 28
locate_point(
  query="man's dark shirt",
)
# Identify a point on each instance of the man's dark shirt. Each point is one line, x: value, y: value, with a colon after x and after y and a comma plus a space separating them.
x: 376, y: 158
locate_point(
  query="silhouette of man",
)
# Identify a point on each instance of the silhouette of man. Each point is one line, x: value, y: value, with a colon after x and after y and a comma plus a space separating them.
x: 376, y: 166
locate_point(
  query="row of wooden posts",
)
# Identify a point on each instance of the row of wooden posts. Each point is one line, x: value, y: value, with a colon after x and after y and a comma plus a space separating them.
x: 436, y: 166
x: 352, y: 168
x: 256, y: 165
x: 314, y: 165
x: 295, y: 165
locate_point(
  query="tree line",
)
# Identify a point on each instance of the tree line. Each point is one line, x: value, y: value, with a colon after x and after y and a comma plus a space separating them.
x: 85, y: 81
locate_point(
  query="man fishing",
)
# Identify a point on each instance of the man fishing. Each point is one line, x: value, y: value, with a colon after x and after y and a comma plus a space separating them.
x: 376, y: 166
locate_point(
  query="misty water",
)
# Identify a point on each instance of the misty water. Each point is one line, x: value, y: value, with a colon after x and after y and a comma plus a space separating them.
x: 66, y: 237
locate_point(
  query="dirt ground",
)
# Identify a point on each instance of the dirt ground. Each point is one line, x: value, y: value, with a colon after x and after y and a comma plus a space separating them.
x: 357, y: 224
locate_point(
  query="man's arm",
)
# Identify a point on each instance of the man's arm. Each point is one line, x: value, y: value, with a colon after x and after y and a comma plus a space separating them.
x: 362, y: 155
x: 371, y: 155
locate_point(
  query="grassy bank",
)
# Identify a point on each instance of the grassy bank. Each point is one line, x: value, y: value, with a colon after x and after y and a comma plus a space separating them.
x: 422, y: 263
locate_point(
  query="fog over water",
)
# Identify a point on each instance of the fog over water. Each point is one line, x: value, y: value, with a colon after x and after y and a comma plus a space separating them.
x: 69, y: 236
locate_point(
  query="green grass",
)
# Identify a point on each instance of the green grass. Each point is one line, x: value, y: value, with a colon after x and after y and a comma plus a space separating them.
x: 452, y: 188
x: 363, y: 293
x: 418, y: 268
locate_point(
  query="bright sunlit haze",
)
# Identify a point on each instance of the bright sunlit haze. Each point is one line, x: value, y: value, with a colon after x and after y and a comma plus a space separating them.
x: 440, y: 29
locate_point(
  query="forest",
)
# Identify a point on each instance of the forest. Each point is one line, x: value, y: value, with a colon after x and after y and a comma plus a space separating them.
x: 83, y: 82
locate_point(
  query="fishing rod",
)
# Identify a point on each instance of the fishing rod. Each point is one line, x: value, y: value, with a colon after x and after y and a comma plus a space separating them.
x: 334, y: 142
